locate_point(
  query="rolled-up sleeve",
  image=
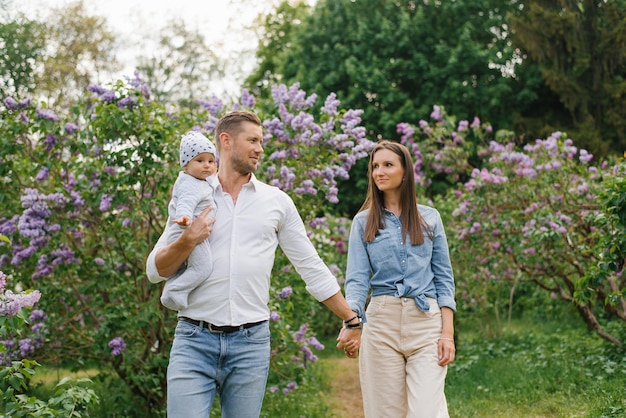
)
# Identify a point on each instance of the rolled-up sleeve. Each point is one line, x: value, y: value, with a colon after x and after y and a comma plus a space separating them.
x: 442, y: 267
x: 293, y: 240
x: 358, y: 271
x: 151, y: 268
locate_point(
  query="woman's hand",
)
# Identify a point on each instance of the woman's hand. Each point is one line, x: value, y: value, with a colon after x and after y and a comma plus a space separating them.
x: 350, y: 341
x: 447, y: 351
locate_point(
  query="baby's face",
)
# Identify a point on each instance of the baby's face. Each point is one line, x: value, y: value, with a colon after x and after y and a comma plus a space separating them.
x: 201, y: 166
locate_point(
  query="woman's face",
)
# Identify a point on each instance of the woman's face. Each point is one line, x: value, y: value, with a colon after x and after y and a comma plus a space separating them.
x: 387, y: 170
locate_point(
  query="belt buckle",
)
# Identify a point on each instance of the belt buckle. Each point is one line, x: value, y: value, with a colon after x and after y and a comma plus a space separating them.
x: 215, y: 331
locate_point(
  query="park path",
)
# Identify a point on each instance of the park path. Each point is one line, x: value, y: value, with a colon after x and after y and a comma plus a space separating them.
x: 345, y: 394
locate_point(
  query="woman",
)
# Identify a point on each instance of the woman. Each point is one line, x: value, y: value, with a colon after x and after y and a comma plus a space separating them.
x: 398, y: 250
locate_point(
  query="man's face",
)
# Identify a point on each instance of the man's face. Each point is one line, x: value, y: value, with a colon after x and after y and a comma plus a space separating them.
x: 247, y: 147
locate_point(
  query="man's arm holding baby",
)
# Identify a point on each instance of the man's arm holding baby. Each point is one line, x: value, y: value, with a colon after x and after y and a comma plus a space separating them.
x: 165, y: 259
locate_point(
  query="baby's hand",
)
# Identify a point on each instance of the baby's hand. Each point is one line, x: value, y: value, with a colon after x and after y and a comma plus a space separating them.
x: 184, y: 221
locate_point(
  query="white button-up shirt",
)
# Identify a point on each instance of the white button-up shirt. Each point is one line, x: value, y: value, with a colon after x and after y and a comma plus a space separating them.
x: 243, y: 245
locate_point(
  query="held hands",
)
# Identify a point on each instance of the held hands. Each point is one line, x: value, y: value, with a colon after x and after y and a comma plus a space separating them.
x: 350, y: 337
x: 349, y: 341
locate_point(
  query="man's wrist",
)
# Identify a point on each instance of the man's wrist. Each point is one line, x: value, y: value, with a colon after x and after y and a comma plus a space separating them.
x: 353, y: 323
x: 353, y: 317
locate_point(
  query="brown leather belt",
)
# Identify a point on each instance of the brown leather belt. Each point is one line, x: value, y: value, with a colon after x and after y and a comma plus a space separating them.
x: 218, y: 329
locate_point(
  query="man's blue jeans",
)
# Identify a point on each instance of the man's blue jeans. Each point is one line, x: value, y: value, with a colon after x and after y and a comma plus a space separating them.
x: 203, y: 363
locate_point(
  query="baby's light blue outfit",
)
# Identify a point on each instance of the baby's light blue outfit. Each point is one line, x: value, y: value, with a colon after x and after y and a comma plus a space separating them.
x: 190, y: 196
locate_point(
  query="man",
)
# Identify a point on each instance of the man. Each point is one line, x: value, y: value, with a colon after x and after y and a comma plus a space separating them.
x: 222, y: 340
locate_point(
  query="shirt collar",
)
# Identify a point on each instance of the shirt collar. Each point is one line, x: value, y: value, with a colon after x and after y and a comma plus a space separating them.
x: 253, y: 183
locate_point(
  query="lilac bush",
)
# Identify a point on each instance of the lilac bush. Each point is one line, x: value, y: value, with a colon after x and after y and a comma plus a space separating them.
x: 523, y: 215
x: 85, y: 193
x: 305, y: 155
x: 21, y: 333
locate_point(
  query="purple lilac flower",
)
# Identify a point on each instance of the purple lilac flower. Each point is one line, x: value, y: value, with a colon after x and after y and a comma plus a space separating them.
x: 11, y: 303
x: 63, y: 256
x: 307, y: 186
x: 585, y: 157
x: 117, y: 345
x: 10, y: 103
x: 332, y: 195
x: 330, y: 105
x: 98, y: 261
x: 406, y: 131
x: 247, y: 99
x: 274, y: 316
x: 3, y: 281
x: 94, y: 88
x: 317, y: 222
x: 273, y: 389
x: 299, y: 335
x: 46, y: 114
x: 37, y: 315
x: 214, y: 105
x: 38, y: 328
x: 108, y: 96
x: 436, y: 113
x: 50, y: 141
x: 285, y: 292
x: 42, y: 174
x: 105, y: 203
x: 308, y: 354
x: 70, y: 128
x: 313, y: 342
x: 127, y: 102
x: 26, y: 347
x: 23, y: 118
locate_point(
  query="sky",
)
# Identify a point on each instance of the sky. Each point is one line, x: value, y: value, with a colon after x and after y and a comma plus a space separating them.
x: 223, y: 23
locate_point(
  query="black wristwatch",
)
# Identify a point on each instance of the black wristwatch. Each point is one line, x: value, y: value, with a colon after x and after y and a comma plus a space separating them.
x: 358, y: 325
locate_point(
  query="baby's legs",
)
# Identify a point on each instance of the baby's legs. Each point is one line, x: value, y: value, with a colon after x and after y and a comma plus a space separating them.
x: 199, y: 265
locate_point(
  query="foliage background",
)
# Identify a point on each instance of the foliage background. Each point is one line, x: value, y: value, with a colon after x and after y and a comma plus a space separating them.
x: 536, y: 226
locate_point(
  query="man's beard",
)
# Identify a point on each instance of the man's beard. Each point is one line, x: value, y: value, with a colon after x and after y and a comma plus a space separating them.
x: 243, y: 167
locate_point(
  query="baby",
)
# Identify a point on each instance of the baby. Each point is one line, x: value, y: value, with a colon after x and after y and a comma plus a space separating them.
x: 192, y: 193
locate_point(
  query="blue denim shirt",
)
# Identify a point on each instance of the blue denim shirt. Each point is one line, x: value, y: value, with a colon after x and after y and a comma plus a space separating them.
x: 390, y: 265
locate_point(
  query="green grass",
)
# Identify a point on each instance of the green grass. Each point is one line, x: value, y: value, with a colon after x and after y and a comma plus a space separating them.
x: 533, y: 369
x: 537, y: 371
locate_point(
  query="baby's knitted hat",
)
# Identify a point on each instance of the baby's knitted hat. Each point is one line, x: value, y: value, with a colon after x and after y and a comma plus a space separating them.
x: 192, y: 144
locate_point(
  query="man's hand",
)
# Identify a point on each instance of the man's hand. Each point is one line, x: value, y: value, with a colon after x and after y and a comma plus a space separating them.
x: 169, y: 258
x: 349, y: 340
x: 200, y: 228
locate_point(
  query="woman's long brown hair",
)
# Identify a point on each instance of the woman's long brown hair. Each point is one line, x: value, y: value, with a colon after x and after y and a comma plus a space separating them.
x: 410, y: 217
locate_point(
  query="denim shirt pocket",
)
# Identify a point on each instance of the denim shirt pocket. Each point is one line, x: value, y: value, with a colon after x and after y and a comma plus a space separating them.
x: 380, y: 250
x: 424, y: 250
